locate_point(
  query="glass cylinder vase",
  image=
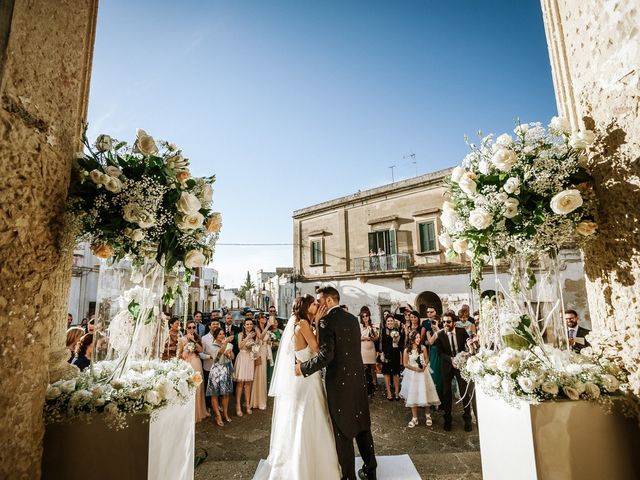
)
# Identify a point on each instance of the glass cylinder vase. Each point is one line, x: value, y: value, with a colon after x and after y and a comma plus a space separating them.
x: 129, y: 324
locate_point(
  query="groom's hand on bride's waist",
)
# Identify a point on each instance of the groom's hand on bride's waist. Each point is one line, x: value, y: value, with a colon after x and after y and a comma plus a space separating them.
x: 297, y: 367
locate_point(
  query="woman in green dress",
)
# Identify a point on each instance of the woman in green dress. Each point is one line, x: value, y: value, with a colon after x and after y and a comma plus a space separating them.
x: 276, y: 334
x: 434, y: 357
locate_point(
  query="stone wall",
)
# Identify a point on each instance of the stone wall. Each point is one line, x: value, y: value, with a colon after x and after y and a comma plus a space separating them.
x: 43, y: 94
x: 595, y: 56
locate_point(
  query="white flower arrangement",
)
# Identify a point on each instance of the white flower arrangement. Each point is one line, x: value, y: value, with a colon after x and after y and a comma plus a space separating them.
x: 141, y: 202
x: 522, y: 195
x: 145, y: 388
x: 542, y: 373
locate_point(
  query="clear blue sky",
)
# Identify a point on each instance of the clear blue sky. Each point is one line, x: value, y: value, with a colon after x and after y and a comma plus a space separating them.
x: 291, y: 103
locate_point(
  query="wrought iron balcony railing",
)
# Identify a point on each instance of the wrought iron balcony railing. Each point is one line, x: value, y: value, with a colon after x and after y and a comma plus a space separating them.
x: 381, y: 263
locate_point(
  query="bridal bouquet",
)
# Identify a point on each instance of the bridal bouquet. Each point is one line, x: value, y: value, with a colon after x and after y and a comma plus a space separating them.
x: 141, y: 201
x: 521, y: 194
x: 146, y: 387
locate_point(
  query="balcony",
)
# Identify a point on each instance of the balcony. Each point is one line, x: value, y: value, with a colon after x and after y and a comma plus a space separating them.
x: 381, y: 263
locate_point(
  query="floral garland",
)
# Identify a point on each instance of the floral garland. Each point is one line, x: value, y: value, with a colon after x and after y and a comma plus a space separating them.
x: 543, y: 373
x: 141, y: 202
x: 520, y: 196
x: 146, y: 387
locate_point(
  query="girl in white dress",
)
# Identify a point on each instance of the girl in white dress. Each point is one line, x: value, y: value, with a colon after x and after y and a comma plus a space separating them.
x: 418, y: 388
x: 302, y: 442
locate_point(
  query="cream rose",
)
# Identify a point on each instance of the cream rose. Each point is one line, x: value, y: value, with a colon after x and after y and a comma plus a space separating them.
x: 194, y: 258
x: 130, y: 212
x: 214, y: 223
x: 502, y: 197
x: 467, y: 183
x: 566, y: 201
x: 183, y: 175
x: 97, y: 177
x: 145, y: 219
x: 460, y: 246
x: 145, y: 143
x: 112, y: 171
x: 448, y: 206
x: 102, y: 250
x: 445, y: 240
x: 571, y: 392
x: 456, y: 174
x: 111, y: 409
x: 511, y: 207
x: 504, y: 159
x: 113, y: 184
x: 610, y: 383
x: 177, y: 162
x: 190, y: 222
x: 134, y: 234
x: 582, y: 139
x: 520, y: 130
x: 527, y: 384
x: 592, y: 390
x: 550, y: 388
x: 188, y: 203
x: 479, y: 218
x: 103, y: 143
x: 508, y: 362
x: 586, y: 228
x: 559, y: 126
x: 52, y: 392
x: 207, y: 193
x: 152, y: 397
x: 504, y: 140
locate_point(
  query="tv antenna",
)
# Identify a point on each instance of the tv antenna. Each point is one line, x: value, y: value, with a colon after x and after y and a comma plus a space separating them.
x: 392, y: 177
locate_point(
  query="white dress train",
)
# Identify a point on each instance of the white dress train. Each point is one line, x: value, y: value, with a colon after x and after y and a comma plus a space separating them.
x: 302, y: 443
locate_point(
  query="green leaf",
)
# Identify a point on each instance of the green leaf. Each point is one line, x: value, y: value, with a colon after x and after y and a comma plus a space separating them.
x: 147, y: 320
x: 134, y: 309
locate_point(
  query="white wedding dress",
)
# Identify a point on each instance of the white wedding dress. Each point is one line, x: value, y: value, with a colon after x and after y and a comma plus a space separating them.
x: 302, y: 443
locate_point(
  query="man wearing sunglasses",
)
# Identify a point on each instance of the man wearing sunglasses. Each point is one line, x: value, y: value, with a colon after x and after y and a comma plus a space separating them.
x: 450, y: 341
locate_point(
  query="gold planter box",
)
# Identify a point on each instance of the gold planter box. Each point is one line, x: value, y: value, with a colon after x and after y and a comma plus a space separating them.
x: 564, y: 440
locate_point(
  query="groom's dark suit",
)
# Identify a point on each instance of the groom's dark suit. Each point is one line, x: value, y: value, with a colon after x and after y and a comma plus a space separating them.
x: 346, y: 389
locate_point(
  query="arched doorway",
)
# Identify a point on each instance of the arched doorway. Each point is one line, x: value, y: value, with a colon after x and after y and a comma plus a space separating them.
x: 428, y: 298
x: 487, y: 294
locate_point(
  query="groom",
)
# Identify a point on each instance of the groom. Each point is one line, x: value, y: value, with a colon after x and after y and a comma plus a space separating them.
x: 345, y: 383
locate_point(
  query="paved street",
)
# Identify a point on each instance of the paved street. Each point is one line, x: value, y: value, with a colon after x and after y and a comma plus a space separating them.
x: 234, y: 451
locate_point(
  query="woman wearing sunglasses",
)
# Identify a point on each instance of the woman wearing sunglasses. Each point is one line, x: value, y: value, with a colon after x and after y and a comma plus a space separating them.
x: 189, y: 347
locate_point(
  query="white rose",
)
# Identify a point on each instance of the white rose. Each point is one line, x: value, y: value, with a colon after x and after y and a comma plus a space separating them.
x: 183, y: 388
x: 190, y: 222
x: 112, y: 171
x: 550, y: 388
x: 467, y: 184
x: 610, y: 383
x: 145, y: 143
x: 456, y: 174
x: 134, y: 234
x: 445, y: 240
x: 483, y: 167
x: 527, y: 384
x: 504, y: 140
x: 572, y: 393
x: 152, y: 397
x: 52, y: 392
x: 521, y: 129
x: 97, y: 177
x: 104, y: 143
x: 502, y: 197
x: 113, y: 184
x: 586, y: 229
x: 460, y: 246
x: 448, y: 206
x: 474, y: 365
x: 504, y: 159
x: 81, y: 397
x: 480, y: 218
x: 508, y: 362
x: 194, y: 258
x: 177, y: 162
x: 449, y: 218
x: 511, y: 185
x: 559, y: 126
x: 582, y: 139
x: 492, y: 362
x: 592, y: 390
x: 511, y: 207
x: 566, y: 201
x: 68, y: 386
x: 188, y: 203
x: 207, y: 193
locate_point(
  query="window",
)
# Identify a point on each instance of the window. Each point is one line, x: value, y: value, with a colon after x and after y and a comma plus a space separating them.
x: 384, y: 240
x: 316, y: 252
x: 427, y: 234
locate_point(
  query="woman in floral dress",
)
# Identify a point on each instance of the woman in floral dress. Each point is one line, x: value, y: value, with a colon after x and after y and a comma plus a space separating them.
x: 244, y: 368
x: 189, y: 347
x: 221, y: 376
x: 259, y: 387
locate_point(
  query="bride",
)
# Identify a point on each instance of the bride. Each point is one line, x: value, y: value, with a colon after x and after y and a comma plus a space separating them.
x: 302, y: 443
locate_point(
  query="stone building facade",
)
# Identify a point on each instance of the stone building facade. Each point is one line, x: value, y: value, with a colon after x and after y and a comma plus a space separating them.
x: 380, y: 248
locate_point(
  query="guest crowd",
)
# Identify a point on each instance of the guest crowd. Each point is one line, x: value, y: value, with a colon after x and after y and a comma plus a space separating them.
x: 416, y: 357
